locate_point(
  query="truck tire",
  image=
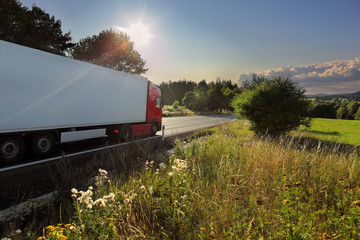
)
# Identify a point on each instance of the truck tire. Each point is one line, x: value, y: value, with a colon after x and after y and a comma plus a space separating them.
x: 42, y: 144
x: 154, y: 128
x: 125, y: 133
x: 11, y: 148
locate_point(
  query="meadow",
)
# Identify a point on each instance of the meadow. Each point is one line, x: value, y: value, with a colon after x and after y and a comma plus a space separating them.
x: 335, y: 130
x: 231, y: 185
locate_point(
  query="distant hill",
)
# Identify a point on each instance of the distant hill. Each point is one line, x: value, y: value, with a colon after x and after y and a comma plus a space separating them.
x: 320, y: 95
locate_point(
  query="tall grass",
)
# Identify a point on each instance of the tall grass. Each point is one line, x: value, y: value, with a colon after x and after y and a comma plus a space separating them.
x: 231, y: 185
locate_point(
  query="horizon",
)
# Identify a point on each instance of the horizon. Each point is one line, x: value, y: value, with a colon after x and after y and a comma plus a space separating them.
x: 317, y: 43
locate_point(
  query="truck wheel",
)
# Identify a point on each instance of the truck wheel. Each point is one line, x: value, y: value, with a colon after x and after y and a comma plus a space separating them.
x: 125, y: 133
x: 154, y: 128
x: 11, y: 148
x: 42, y: 144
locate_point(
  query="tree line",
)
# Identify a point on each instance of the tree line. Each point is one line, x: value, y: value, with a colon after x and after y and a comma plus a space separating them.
x: 37, y: 29
x: 201, y: 96
x: 335, y: 110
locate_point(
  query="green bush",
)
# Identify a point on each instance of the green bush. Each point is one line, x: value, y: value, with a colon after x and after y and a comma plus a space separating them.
x: 273, y: 106
x: 175, y: 105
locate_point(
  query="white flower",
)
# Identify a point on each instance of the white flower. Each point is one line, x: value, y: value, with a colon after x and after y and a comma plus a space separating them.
x: 74, y: 191
x: 90, y: 188
x: 170, y: 174
x: 100, y: 202
x: 151, y: 190
x: 110, y: 197
x: 184, y: 197
x: 103, y: 172
x: 18, y: 231
x: 162, y: 165
x: 143, y: 188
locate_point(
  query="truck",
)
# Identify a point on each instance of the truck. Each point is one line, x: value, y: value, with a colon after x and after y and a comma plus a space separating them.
x: 47, y: 99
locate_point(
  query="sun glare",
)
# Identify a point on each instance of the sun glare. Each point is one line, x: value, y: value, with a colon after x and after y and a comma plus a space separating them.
x: 139, y: 33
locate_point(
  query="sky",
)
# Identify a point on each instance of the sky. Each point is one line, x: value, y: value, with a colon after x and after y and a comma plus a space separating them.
x: 317, y: 42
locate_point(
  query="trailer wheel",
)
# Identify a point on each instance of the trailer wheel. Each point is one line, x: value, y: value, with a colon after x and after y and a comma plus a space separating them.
x: 11, y: 148
x: 154, y: 128
x: 42, y: 144
x: 125, y: 133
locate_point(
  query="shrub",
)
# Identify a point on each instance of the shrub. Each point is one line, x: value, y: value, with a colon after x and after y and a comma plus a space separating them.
x: 273, y: 106
x: 175, y: 105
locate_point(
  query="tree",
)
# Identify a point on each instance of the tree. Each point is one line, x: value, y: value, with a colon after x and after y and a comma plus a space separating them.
x: 110, y: 49
x: 323, y: 110
x: 273, y: 106
x: 33, y: 28
x: 342, y: 112
x: 352, y: 108
x: 189, y: 100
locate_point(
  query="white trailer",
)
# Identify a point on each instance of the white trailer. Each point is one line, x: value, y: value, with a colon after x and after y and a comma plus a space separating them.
x: 43, y: 94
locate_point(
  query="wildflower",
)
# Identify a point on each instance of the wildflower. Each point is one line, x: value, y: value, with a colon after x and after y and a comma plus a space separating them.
x: 202, y: 229
x: 90, y: 188
x: 103, y: 172
x: 62, y: 237
x: 297, y: 184
x: 18, y: 231
x: 74, y: 191
x: 100, y: 202
x: 85, y: 197
x: 170, y: 174
x: 151, y: 190
x: 184, y: 197
x: 162, y: 165
x: 286, y: 201
x: 111, y: 219
x: 356, y: 203
x: 143, y: 188
x: 89, y: 206
x: 39, y: 238
x: 110, y: 197
x: 67, y: 225
x: 325, y: 236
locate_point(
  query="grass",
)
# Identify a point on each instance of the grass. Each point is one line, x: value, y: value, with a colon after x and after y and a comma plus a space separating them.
x: 335, y: 130
x: 230, y: 185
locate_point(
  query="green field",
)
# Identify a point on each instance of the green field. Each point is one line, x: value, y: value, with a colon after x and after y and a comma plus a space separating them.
x: 336, y: 130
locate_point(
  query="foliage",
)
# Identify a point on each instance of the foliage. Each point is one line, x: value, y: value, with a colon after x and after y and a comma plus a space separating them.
x: 202, y: 96
x: 33, y: 28
x: 175, y: 90
x: 189, y: 100
x: 228, y: 186
x: 323, y: 110
x: 273, y: 106
x: 110, y: 49
x: 175, y: 105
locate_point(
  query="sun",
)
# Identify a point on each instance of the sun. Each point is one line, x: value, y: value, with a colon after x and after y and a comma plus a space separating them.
x: 139, y: 33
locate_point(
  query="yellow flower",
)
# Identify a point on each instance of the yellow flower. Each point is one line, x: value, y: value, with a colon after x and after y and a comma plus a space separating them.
x: 326, y: 236
x: 202, y: 229
x: 40, y: 238
x: 67, y: 225
x: 111, y: 219
x: 286, y: 201
x: 297, y: 184
x: 357, y: 203
x: 62, y: 237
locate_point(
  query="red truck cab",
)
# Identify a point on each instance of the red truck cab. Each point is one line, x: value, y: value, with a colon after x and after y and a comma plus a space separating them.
x: 153, y: 114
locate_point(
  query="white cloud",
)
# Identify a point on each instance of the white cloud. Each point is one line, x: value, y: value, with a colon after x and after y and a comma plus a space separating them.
x: 330, y: 77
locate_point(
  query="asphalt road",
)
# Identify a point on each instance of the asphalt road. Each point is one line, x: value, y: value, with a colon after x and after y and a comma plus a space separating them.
x: 178, y: 125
